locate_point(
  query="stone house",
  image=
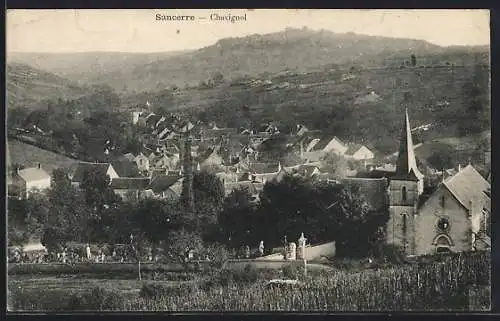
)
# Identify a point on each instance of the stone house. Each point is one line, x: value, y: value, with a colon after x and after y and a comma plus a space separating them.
x: 25, y: 181
x: 130, y: 188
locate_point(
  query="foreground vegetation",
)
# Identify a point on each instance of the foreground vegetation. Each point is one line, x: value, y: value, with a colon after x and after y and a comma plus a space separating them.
x: 444, y: 284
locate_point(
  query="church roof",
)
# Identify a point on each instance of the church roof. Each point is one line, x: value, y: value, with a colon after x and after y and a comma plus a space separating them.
x: 406, y: 161
x: 467, y: 185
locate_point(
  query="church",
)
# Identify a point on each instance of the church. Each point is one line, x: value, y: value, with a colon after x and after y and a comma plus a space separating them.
x: 454, y: 218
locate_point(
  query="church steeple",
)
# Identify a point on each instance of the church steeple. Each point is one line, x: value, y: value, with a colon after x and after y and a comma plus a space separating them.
x: 406, y: 166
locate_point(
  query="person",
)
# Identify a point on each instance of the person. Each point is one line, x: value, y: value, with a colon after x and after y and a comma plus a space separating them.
x: 88, y: 251
x: 261, y: 248
x: 102, y: 257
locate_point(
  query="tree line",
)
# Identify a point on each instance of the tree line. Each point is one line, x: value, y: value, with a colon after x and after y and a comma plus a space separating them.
x: 94, y: 213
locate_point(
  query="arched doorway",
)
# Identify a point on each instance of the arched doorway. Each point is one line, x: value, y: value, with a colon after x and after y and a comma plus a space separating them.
x: 443, y: 243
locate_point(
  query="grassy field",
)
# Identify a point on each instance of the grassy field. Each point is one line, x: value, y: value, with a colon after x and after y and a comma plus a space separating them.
x: 447, y: 284
x: 29, y: 155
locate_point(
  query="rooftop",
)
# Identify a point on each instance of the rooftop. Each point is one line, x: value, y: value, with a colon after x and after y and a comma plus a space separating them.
x: 33, y: 174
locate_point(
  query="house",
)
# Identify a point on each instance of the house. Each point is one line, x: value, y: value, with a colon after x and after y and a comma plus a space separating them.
x: 301, y: 130
x: 329, y: 145
x: 28, y: 180
x: 166, y: 162
x: 262, y: 172
x: 313, y: 157
x: 135, y: 117
x: 167, y: 186
x: 142, y: 162
x: 359, y: 152
x: 210, y: 157
x: 253, y: 188
x: 130, y: 188
x: 129, y: 157
x: 77, y: 173
x: 305, y: 170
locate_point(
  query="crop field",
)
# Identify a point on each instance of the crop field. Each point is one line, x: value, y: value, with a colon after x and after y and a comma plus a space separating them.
x: 457, y: 283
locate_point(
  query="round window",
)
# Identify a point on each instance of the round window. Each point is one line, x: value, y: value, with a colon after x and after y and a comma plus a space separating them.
x: 443, y: 224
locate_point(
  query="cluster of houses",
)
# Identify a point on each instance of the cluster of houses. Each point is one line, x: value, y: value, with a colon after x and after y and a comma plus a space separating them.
x: 452, y: 218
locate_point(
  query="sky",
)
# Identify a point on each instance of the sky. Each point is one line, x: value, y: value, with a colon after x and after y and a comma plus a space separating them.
x: 135, y: 30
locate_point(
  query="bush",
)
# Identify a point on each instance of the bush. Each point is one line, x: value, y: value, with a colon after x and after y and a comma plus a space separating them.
x: 97, y: 299
x: 292, y: 272
x: 390, y: 253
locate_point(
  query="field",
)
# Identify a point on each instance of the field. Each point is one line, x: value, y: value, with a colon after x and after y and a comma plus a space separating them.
x: 453, y: 283
x: 29, y: 155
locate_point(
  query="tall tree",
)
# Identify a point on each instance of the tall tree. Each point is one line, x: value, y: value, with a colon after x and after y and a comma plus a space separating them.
x: 99, y: 198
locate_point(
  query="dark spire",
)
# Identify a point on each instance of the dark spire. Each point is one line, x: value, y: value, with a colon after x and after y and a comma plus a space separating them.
x: 407, y: 163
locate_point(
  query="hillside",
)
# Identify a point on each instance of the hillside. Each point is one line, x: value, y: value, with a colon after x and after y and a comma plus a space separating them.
x: 329, y: 101
x: 26, y: 86
x: 29, y: 155
x: 299, y: 50
x: 86, y: 67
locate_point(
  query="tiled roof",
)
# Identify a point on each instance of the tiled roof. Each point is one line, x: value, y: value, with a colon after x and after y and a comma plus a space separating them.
x: 128, y: 183
x: 129, y: 156
x: 352, y: 148
x: 263, y: 168
x: 33, y: 174
x: 373, y: 190
x: 325, y: 141
x: 163, y: 182
x: 83, y: 167
x: 253, y: 188
x: 126, y: 169
x: 467, y: 185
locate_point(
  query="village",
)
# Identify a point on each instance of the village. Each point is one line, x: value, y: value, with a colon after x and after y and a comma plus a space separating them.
x: 233, y: 156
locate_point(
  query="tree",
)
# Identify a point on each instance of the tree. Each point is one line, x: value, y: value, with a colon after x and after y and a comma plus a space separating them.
x: 325, y: 212
x: 335, y: 164
x: 441, y: 157
x: 413, y: 60
x: 180, y: 242
x: 99, y: 198
x: 236, y: 217
x: 67, y: 209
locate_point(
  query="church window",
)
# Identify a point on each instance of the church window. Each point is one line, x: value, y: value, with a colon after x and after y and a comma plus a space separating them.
x: 404, y: 195
x: 442, y: 201
x: 405, y: 227
x: 443, y: 224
